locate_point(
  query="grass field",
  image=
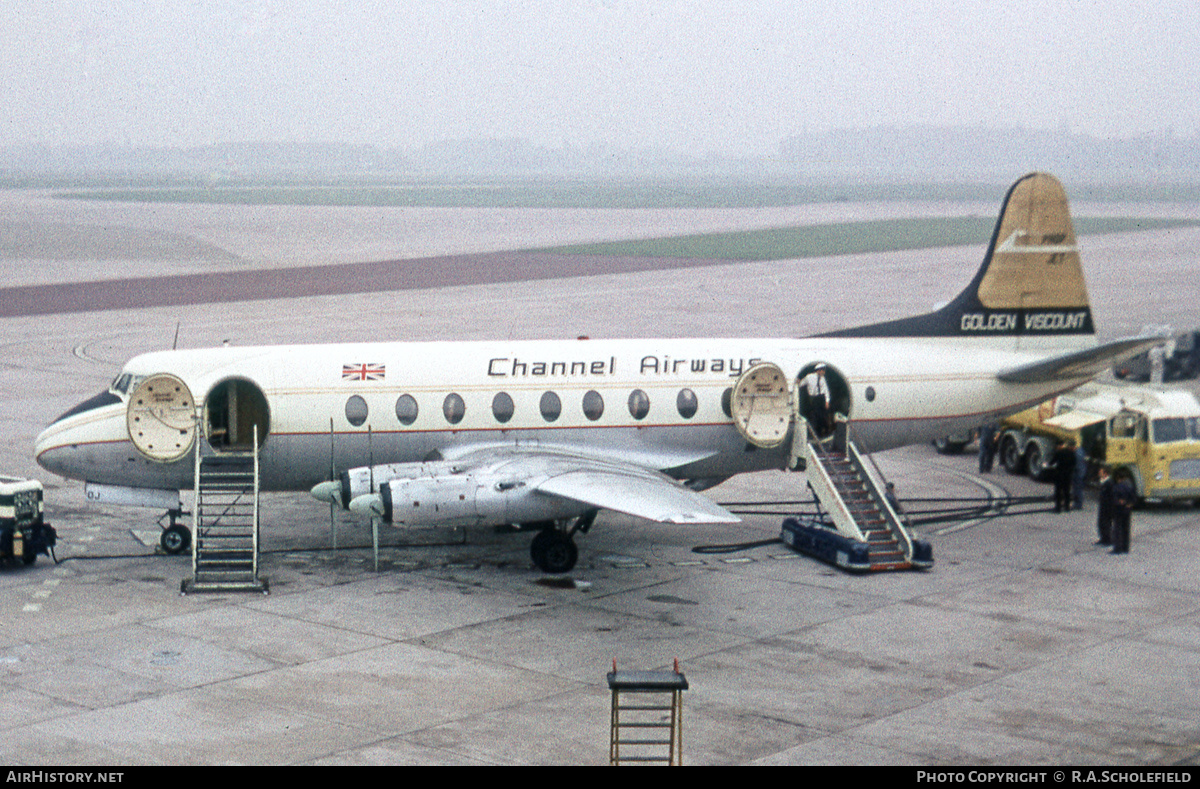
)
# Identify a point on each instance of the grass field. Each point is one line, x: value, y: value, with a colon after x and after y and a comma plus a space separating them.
x: 845, y: 238
x: 665, y: 193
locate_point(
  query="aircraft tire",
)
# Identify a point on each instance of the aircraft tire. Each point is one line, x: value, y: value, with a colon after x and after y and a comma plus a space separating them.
x: 553, y: 552
x: 175, y: 539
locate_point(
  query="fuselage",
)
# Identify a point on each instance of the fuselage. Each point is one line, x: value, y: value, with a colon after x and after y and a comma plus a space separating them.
x: 662, y: 404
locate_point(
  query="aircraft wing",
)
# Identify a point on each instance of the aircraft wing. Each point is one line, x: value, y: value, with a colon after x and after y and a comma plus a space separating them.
x: 634, y: 491
x: 592, y: 479
x: 1079, y: 364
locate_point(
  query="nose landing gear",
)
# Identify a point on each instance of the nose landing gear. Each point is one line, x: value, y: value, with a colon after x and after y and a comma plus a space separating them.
x: 175, y: 538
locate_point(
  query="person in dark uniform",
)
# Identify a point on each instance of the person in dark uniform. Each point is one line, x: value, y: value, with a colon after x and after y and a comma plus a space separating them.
x: 1063, y: 465
x: 1079, y: 478
x: 1124, y: 497
x: 987, y: 447
x: 1104, y: 514
x: 818, y: 400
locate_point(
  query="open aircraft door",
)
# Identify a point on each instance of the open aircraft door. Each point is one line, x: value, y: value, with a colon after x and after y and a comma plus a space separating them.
x: 161, y: 418
x: 762, y: 405
x: 233, y: 411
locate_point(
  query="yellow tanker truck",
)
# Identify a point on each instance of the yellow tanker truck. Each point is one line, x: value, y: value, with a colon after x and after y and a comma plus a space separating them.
x: 1153, y: 433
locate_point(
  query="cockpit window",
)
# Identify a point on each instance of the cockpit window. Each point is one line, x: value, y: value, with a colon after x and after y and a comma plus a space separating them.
x: 125, y: 383
x: 96, y: 401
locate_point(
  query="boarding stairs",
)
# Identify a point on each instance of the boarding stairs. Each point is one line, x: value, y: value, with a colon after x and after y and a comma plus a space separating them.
x: 858, y: 529
x: 851, y: 491
x: 225, y: 545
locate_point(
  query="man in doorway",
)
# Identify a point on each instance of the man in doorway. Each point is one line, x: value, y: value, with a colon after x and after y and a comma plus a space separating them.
x: 818, y: 400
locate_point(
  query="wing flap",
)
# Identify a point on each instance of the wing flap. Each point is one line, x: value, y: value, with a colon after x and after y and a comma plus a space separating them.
x: 651, y: 496
x: 1075, y: 365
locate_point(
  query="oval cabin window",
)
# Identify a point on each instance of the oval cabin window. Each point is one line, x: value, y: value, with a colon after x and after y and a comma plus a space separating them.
x: 550, y: 406
x: 686, y: 403
x: 502, y: 407
x: 406, y: 409
x: 356, y: 411
x: 639, y: 404
x: 593, y: 405
x: 454, y: 408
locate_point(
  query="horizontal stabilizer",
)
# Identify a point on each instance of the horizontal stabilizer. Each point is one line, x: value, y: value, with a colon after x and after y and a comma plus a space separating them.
x: 651, y: 496
x: 1087, y: 363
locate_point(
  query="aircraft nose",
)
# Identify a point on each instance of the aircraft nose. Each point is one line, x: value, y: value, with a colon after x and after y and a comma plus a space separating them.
x: 54, y: 449
x: 63, y: 447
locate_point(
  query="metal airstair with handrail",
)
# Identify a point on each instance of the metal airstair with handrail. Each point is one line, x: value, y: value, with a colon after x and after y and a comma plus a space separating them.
x: 851, y: 490
x: 857, y: 527
x: 225, y: 524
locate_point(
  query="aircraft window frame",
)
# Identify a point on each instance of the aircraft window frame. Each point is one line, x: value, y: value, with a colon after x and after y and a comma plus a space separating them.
x: 357, y: 410
x: 407, y: 409
x: 503, y: 407
x: 593, y: 405
x: 550, y: 405
x: 639, y: 404
x: 686, y: 403
x: 454, y: 408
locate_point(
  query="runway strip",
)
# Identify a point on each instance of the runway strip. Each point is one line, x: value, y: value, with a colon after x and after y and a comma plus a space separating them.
x: 326, y: 280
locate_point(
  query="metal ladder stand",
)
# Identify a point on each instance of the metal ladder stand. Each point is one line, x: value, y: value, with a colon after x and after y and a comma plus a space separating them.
x: 642, y: 722
x: 225, y: 523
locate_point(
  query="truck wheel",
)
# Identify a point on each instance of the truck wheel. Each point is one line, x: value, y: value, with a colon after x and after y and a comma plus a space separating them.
x: 1035, y: 461
x: 945, y: 446
x: 29, y: 556
x: 1011, y: 457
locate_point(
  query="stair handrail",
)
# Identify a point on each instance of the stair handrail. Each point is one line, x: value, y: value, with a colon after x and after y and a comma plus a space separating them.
x: 820, y: 481
x: 196, y: 515
x: 255, y: 511
x: 871, y: 472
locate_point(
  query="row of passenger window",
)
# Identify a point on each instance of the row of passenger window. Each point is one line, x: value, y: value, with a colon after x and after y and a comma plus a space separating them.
x: 454, y: 408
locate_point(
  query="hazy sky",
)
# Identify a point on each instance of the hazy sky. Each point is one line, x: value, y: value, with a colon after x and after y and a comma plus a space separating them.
x: 726, y: 77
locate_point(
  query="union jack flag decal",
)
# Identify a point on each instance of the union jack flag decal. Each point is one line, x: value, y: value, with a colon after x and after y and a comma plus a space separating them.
x: 363, y: 372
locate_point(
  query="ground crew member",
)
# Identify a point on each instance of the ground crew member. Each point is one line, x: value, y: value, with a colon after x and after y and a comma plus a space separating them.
x: 1104, y: 513
x: 1080, y: 477
x: 1123, y: 501
x: 1063, y: 466
x: 987, y: 447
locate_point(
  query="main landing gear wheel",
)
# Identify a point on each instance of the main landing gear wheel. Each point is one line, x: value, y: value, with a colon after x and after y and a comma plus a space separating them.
x: 175, y: 539
x: 553, y: 551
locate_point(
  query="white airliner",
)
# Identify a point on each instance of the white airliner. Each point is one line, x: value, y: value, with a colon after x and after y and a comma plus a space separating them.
x: 547, y: 433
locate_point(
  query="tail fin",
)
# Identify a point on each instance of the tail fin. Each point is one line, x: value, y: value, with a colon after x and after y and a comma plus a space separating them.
x: 1029, y: 286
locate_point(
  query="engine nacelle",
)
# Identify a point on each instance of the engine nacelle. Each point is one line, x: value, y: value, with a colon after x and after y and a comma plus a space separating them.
x: 465, y: 499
